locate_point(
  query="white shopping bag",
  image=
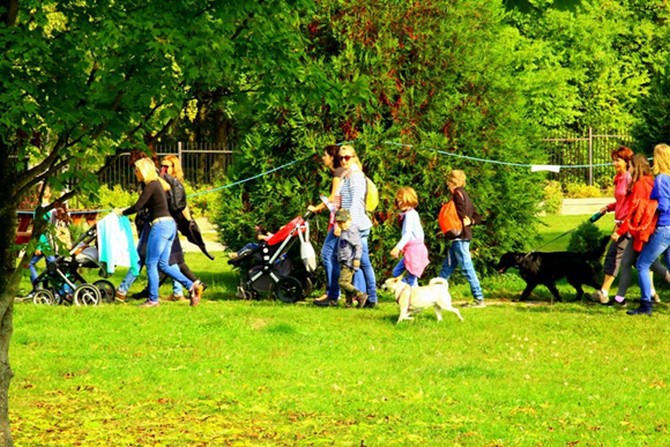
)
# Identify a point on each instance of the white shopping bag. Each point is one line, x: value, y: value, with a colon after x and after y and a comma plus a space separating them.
x: 307, y: 253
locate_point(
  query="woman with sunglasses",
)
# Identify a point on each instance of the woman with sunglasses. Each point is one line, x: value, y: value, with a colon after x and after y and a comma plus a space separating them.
x: 330, y: 159
x: 352, y: 194
x: 162, y: 233
x: 170, y: 165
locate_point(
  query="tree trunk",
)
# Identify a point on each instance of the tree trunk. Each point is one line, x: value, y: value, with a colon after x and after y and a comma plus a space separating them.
x: 6, y: 329
x: 9, y: 279
x: 8, y: 286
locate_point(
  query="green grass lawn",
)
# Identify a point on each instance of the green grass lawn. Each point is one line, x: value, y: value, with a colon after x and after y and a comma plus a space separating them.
x: 262, y: 373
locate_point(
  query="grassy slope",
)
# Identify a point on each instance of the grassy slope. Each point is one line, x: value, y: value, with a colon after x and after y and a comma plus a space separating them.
x: 243, y: 373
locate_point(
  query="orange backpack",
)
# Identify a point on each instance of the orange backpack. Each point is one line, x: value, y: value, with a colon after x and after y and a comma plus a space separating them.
x: 450, y: 223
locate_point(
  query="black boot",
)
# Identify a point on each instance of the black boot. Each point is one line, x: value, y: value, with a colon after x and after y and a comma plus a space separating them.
x: 644, y: 309
x: 144, y: 293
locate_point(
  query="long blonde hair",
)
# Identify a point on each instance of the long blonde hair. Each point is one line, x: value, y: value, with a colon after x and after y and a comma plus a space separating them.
x: 662, y: 159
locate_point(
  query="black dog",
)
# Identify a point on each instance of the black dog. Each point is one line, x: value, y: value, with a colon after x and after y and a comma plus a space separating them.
x: 547, y: 268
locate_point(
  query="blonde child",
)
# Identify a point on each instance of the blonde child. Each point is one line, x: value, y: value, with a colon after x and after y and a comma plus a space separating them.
x: 411, y: 244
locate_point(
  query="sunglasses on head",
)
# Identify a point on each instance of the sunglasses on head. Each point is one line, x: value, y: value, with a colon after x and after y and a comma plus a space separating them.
x: 346, y: 157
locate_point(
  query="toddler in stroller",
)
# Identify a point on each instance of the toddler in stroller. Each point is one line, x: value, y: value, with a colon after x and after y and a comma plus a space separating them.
x: 278, y: 265
x: 62, y: 283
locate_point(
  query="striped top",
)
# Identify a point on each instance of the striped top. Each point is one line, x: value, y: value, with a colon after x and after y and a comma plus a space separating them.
x: 352, y: 192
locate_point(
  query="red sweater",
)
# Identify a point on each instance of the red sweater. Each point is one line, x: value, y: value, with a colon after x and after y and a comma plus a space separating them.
x: 640, y: 194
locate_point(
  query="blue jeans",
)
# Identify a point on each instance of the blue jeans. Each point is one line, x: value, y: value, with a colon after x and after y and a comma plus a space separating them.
x: 129, y: 279
x: 247, y: 247
x: 366, y: 270
x: 159, y: 245
x: 399, y: 269
x: 35, y: 259
x: 459, y: 254
x: 331, y: 265
x: 658, y: 243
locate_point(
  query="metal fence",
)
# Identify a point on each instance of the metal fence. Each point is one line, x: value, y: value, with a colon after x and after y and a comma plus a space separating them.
x: 202, y: 163
x: 589, y: 150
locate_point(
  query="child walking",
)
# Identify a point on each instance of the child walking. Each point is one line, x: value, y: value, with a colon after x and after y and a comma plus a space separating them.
x: 459, y: 251
x: 349, y: 252
x: 411, y: 244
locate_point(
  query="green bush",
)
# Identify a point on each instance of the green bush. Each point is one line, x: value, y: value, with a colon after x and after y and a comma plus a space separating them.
x: 105, y: 198
x: 199, y: 199
x: 553, y: 198
x: 582, y: 191
x: 587, y: 237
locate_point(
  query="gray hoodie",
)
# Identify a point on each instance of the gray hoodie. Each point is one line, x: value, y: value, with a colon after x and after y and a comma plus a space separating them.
x: 349, y: 246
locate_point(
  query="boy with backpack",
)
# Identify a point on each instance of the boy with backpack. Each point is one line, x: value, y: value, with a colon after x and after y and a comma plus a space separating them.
x: 459, y: 251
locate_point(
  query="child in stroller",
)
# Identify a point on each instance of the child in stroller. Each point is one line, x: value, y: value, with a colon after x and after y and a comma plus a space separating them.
x: 61, y: 282
x: 261, y: 235
x: 277, y: 264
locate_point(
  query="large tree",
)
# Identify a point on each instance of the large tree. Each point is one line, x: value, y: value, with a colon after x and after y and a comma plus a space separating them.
x: 83, y: 81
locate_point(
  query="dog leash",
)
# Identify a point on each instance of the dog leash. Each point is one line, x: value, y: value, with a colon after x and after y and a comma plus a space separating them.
x: 592, y: 219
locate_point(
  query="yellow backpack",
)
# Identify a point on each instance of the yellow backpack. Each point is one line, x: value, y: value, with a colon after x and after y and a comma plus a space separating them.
x: 371, y: 195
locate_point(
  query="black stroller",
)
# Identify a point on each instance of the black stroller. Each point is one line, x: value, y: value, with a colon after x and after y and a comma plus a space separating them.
x: 61, y: 282
x: 279, y: 265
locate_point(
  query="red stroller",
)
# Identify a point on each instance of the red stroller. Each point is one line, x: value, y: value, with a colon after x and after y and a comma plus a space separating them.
x: 279, y: 265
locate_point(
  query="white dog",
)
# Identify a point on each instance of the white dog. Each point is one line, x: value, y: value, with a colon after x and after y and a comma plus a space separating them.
x: 411, y: 299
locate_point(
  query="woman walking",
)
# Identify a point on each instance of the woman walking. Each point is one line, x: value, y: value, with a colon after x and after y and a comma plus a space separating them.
x: 623, y: 185
x: 660, y: 240
x: 330, y: 160
x: 352, y: 193
x: 162, y: 233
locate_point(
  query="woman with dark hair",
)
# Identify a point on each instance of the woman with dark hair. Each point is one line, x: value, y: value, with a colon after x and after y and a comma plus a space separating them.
x: 623, y: 184
x: 331, y: 160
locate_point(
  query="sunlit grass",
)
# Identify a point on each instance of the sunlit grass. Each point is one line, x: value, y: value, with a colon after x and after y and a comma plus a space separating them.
x: 263, y: 373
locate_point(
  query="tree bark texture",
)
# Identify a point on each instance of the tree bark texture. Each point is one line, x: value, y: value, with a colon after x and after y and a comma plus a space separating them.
x: 9, y: 278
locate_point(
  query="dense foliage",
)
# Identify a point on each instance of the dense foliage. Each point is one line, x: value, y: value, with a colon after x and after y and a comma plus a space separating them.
x: 414, y: 108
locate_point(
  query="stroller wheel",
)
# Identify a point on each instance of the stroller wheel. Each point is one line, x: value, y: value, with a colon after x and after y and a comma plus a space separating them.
x: 289, y: 290
x: 86, y: 295
x: 107, y: 290
x: 43, y: 296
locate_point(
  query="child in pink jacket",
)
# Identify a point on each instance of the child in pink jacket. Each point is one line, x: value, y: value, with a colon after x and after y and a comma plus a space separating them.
x: 411, y: 244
